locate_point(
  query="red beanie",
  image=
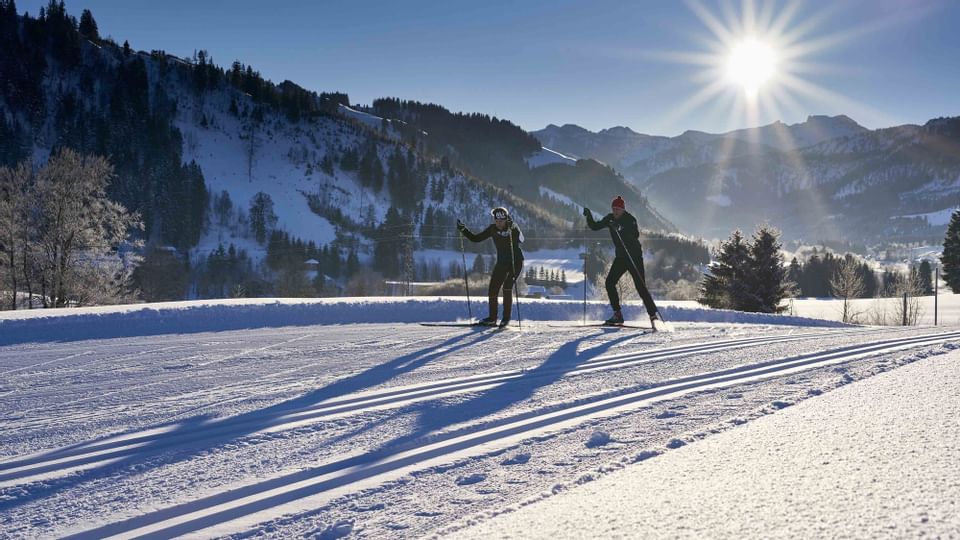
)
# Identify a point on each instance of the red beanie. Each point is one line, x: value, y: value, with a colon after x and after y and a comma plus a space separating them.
x: 618, y: 203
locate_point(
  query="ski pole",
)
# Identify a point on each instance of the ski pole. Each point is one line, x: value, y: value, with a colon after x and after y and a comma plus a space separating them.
x: 585, y: 255
x: 466, y: 280
x: 513, y: 272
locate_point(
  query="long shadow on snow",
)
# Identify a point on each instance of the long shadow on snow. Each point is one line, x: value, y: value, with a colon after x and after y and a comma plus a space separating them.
x: 200, y: 433
x: 361, y: 466
x: 240, y: 502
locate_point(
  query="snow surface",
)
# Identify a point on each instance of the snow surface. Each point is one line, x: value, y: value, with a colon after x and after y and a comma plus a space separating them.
x: 68, y: 324
x: 876, y: 459
x: 286, y: 418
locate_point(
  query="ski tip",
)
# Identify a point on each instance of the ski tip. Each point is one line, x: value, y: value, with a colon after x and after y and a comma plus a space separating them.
x: 663, y: 326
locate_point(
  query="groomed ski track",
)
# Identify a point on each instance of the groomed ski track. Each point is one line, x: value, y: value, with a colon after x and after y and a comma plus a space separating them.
x: 480, y: 411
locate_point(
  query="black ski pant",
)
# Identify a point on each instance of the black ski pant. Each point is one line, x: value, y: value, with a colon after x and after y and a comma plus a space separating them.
x: 619, y: 267
x: 503, y: 277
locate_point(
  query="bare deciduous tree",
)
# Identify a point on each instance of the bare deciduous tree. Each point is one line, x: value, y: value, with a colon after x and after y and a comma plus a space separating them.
x: 847, y: 284
x: 912, y: 286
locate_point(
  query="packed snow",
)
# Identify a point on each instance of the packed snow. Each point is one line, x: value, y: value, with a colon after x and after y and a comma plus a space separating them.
x: 879, y: 458
x: 318, y: 418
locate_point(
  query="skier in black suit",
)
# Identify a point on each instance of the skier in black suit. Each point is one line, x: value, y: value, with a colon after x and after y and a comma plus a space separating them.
x: 629, y: 258
x: 507, y: 238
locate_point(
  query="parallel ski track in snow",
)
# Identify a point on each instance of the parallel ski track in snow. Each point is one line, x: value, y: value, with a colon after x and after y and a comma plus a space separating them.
x: 18, y: 470
x: 130, y: 444
x: 75, y: 417
x: 218, y: 510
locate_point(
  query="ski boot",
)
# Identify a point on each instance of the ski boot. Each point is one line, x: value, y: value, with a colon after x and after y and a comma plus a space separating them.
x: 616, y: 320
x: 654, y: 319
x: 504, y: 322
x: 489, y: 321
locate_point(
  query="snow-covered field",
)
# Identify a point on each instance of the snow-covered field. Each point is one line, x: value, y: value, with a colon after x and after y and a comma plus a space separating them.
x: 268, y: 418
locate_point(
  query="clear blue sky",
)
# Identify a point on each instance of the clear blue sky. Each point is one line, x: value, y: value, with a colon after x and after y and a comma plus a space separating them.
x: 594, y: 63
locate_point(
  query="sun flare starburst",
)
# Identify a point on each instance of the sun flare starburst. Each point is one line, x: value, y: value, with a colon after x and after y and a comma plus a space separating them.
x: 758, y: 64
x: 750, y: 65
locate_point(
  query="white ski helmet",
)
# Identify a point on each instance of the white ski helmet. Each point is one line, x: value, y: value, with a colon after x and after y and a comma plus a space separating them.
x: 500, y: 213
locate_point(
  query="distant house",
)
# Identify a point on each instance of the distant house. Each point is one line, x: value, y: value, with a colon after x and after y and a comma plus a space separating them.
x: 311, y: 265
x: 536, y: 291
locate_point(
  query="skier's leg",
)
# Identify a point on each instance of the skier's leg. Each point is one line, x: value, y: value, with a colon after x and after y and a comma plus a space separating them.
x: 640, y: 282
x: 496, y: 281
x: 617, y: 269
x: 508, y: 283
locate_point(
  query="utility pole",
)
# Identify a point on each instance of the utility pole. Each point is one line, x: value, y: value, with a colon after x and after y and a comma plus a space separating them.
x: 936, y: 293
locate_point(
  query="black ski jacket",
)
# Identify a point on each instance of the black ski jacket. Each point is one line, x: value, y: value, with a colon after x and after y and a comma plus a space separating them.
x: 501, y: 239
x: 624, y: 228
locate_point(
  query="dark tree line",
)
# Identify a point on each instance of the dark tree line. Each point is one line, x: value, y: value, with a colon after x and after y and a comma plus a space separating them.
x: 546, y: 278
x: 813, y: 278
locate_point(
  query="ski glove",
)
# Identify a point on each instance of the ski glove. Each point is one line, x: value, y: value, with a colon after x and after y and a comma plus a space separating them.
x: 460, y: 226
x: 586, y: 212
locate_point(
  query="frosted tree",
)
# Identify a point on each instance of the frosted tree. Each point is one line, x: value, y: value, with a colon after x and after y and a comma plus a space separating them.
x: 15, y: 195
x: 79, y: 230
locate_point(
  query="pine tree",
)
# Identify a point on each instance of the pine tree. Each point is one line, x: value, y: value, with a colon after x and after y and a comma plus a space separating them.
x: 88, y: 26
x: 262, y: 217
x: 353, y: 263
x: 950, y: 259
x: 925, y: 278
x: 479, y: 266
x: 725, y: 286
x: 767, y: 283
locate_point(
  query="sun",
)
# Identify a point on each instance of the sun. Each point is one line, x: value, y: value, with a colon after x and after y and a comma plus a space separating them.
x: 751, y: 64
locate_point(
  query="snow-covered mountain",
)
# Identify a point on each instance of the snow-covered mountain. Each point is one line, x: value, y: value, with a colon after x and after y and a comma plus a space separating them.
x: 889, y: 184
x: 626, y: 149
x: 824, y: 179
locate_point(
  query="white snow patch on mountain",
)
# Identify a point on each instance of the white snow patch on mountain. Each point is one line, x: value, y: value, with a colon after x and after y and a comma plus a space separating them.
x: 547, y: 156
x: 938, y: 218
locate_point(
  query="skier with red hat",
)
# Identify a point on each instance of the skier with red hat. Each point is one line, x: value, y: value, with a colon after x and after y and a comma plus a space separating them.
x: 629, y: 258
